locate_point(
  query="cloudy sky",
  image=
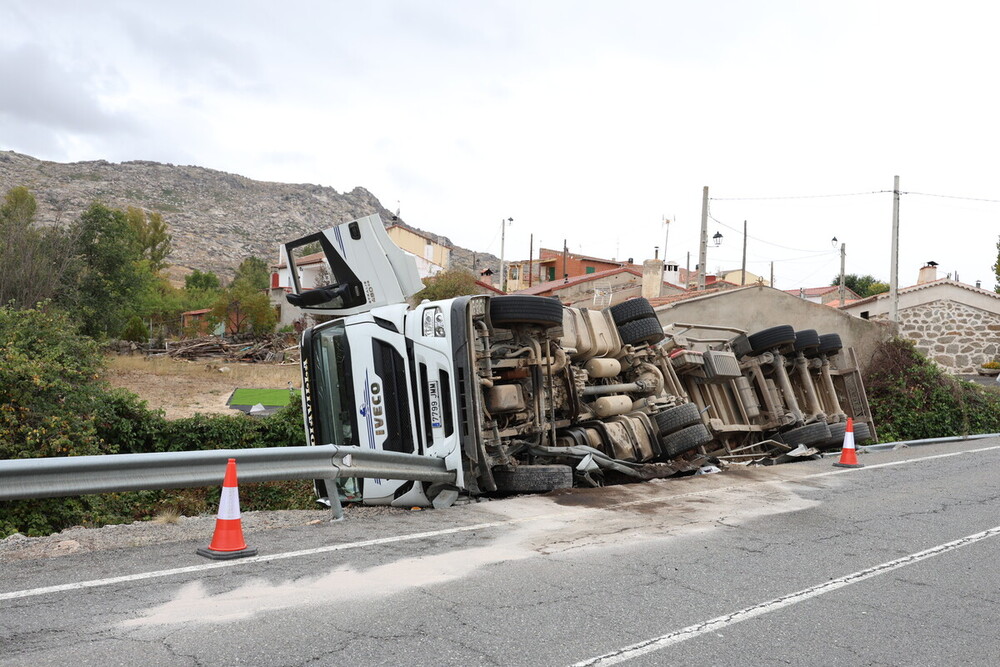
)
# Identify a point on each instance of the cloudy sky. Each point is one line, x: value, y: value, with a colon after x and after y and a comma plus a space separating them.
x: 584, y: 121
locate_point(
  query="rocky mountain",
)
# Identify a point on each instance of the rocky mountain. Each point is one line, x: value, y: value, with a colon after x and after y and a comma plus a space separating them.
x: 216, y: 219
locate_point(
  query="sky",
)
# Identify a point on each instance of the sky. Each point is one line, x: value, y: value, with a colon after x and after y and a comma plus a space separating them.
x: 588, y: 123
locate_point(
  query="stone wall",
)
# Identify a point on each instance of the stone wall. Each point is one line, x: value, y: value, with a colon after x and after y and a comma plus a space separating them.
x: 956, y: 336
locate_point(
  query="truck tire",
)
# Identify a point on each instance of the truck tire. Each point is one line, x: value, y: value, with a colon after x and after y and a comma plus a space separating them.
x: 633, y: 309
x: 646, y: 330
x: 861, y: 433
x: 806, y: 340
x: 837, y: 431
x: 810, y: 434
x: 830, y: 344
x: 677, y: 418
x: 762, y: 341
x: 684, y: 440
x: 533, y: 479
x: 524, y: 309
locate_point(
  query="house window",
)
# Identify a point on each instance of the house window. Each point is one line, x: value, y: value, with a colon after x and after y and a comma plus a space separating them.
x: 552, y: 273
x: 513, y: 272
x: 590, y: 269
x: 864, y: 314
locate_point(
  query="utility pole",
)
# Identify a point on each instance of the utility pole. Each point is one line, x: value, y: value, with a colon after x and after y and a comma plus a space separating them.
x: 531, y: 255
x: 894, y: 269
x: 703, y: 247
x: 772, y: 274
x: 565, y: 252
x: 503, y: 269
x: 743, y: 269
x: 687, y: 271
x: 843, y: 288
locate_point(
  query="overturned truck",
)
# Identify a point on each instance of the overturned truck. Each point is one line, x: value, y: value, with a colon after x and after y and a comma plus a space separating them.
x: 521, y: 394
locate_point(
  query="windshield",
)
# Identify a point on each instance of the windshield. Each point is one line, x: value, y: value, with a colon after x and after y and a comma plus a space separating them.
x: 331, y: 412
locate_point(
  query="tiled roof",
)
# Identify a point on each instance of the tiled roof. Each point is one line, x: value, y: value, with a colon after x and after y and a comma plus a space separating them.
x: 489, y: 287
x: 556, y: 285
x: 812, y: 291
x: 922, y: 286
x: 692, y: 294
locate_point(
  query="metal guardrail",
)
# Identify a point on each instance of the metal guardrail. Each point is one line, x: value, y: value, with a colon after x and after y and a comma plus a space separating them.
x: 111, y: 473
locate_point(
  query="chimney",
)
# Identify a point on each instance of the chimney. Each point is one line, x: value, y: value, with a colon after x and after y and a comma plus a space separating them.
x: 651, y: 278
x: 672, y: 272
x: 928, y: 273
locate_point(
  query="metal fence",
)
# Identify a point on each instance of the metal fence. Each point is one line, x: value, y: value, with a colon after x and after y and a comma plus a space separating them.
x: 111, y: 473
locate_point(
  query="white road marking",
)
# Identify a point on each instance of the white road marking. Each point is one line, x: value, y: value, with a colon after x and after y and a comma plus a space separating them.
x: 715, y: 624
x: 94, y: 583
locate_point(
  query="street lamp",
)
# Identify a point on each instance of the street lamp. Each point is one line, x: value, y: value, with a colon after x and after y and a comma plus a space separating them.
x: 717, y: 239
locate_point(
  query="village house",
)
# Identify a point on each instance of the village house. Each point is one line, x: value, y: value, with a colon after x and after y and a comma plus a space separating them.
x: 954, y: 324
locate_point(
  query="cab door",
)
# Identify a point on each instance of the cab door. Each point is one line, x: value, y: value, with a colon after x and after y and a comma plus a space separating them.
x: 348, y: 269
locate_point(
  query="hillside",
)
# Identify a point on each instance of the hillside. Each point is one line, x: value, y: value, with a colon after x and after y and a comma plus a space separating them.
x: 216, y: 219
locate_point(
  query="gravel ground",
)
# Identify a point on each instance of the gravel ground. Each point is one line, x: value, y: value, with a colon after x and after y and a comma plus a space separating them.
x: 140, y: 533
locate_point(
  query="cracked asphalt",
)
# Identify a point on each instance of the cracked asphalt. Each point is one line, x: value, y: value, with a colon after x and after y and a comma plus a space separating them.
x: 559, y: 579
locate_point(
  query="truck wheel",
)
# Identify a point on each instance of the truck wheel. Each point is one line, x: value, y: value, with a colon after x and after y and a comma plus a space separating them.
x: 633, y: 309
x: 806, y: 340
x: 646, y: 330
x: 677, y: 418
x: 837, y: 431
x: 861, y: 433
x: 762, y: 341
x: 810, y: 434
x: 830, y: 344
x: 532, y: 479
x: 684, y: 440
x: 524, y: 309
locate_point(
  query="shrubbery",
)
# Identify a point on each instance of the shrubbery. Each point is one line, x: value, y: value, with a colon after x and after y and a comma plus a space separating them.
x: 912, y: 399
x: 53, y: 403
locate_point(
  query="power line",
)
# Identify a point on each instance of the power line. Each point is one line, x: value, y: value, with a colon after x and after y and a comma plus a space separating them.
x: 845, y: 194
x: 777, y: 245
x: 927, y: 194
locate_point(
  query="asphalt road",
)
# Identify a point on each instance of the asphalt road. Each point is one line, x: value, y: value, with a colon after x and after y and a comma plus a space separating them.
x: 893, y: 564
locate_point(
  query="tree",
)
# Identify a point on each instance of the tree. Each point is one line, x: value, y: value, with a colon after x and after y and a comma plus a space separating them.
x: 32, y: 261
x: 151, y: 233
x: 109, y: 275
x: 864, y: 286
x: 448, y: 284
x: 196, y: 280
x: 244, y: 310
x: 996, y: 269
x: 254, y: 272
x: 19, y: 207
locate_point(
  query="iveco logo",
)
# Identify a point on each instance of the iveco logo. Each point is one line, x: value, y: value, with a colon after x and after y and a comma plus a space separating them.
x: 374, y: 412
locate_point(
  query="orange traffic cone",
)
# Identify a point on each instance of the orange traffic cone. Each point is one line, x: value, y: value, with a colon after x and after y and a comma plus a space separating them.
x: 227, y: 542
x: 848, y: 455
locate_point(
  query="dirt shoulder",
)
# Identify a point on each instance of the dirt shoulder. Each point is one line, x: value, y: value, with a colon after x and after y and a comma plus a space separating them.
x: 186, y: 388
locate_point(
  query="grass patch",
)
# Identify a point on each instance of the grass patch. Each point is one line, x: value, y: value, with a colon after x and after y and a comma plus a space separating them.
x: 266, y: 397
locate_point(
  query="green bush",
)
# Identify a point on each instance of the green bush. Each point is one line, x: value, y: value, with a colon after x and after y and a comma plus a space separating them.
x: 48, y: 385
x: 135, y: 331
x: 125, y: 425
x: 52, y: 403
x: 912, y: 399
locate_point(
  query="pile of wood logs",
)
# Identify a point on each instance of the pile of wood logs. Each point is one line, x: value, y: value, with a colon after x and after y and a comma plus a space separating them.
x: 276, y: 348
